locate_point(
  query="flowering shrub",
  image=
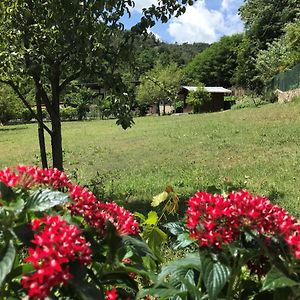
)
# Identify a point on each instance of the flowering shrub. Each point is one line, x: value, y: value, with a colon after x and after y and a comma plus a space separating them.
x: 60, y: 240
x: 214, y: 220
x: 56, y: 244
x: 248, y: 248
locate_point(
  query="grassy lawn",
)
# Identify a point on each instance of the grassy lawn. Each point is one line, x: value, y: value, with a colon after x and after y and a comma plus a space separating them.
x: 254, y: 148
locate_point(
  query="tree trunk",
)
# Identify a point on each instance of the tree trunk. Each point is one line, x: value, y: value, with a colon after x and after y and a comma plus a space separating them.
x: 41, y: 135
x: 56, y: 143
x: 158, y: 107
x: 56, y: 138
x: 164, y: 109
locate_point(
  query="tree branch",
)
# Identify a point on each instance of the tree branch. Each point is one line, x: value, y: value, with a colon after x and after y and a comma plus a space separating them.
x: 27, y: 105
x: 69, y: 79
x: 44, y: 95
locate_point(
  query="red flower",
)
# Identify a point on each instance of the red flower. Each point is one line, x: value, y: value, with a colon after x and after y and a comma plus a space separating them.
x: 57, y: 243
x: 27, y: 176
x: 214, y: 220
x: 111, y: 295
x: 97, y: 214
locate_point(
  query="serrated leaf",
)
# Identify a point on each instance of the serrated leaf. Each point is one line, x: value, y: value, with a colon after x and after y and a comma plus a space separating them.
x: 152, y: 218
x: 42, y: 200
x: 275, y: 279
x: 7, y: 261
x: 159, y: 199
x: 215, y: 276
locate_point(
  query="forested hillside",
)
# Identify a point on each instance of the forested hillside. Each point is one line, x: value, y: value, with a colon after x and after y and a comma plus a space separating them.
x: 140, y: 70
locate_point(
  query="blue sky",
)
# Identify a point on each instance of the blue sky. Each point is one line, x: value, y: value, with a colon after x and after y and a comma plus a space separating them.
x: 205, y: 21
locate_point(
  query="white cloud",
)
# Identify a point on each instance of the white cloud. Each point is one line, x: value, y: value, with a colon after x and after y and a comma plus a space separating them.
x: 140, y: 4
x: 201, y: 24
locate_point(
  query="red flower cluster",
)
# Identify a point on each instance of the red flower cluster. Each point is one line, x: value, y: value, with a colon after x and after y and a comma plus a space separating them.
x: 111, y: 295
x: 97, y: 213
x: 57, y: 243
x: 30, y: 175
x: 214, y: 220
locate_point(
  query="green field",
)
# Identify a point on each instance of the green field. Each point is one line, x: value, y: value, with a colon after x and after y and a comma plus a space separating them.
x: 255, y: 148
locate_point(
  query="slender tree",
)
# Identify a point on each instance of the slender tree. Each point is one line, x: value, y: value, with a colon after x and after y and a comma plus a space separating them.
x: 53, y: 42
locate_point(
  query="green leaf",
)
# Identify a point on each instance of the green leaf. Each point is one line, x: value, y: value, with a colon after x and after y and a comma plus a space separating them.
x: 275, y: 279
x: 189, y: 284
x: 183, y: 240
x: 160, y: 293
x: 139, y: 215
x: 7, y: 261
x: 42, y: 200
x: 152, y: 218
x: 85, y: 290
x: 175, y: 228
x: 119, y: 277
x: 191, y: 261
x: 16, y: 206
x: 139, y: 246
x: 215, y: 276
x: 114, y: 242
x: 156, y: 238
x: 24, y: 233
x: 159, y: 199
x: 6, y: 192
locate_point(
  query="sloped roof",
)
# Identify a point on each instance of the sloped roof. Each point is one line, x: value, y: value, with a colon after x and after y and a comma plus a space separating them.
x: 210, y: 89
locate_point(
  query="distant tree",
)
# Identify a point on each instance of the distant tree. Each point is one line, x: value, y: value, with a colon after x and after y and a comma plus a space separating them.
x: 265, y: 22
x: 215, y: 65
x: 51, y: 43
x: 10, y: 106
x: 246, y: 74
x: 198, y: 98
x: 281, y: 54
x: 159, y: 84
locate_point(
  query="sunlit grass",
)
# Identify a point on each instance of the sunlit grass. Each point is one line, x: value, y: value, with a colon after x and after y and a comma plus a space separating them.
x: 255, y: 148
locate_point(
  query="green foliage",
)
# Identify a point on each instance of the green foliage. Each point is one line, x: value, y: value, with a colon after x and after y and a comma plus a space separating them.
x: 10, y: 106
x: 184, y: 151
x: 68, y: 113
x: 159, y: 84
x: 198, y: 98
x: 7, y: 261
x: 53, y: 43
x: 281, y: 54
x: 265, y: 23
x: 42, y: 200
x: 251, y: 101
x: 19, y: 206
x: 149, y: 51
x: 276, y: 279
x: 227, y: 273
x: 215, y: 66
